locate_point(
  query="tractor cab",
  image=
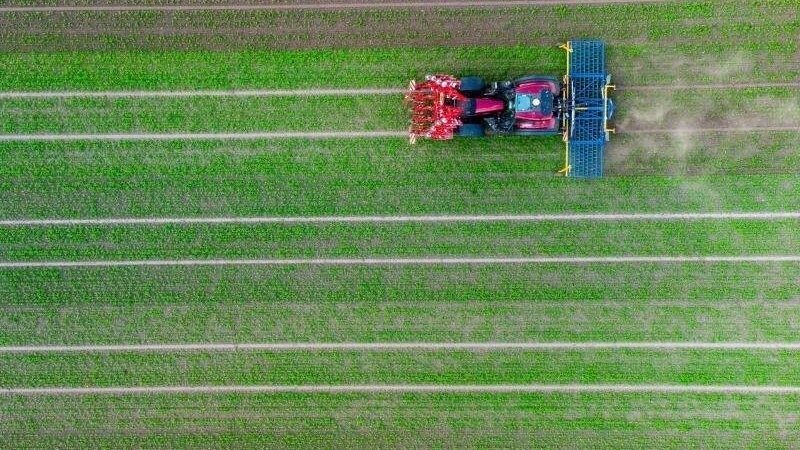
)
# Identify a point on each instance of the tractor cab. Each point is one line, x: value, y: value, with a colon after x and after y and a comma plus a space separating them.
x: 535, y: 100
x: 536, y: 107
x: 537, y: 104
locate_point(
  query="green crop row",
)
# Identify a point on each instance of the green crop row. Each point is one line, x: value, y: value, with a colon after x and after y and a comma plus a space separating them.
x: 203, y: 114
x: 232, y: 308
x: 409, y: 420
x: 512, y: 239
x: 392, y: 283
x: 349, y: 68
x: 326, y: 177
x: 703, y: 367
x: 353, y: 68
x: 660, y: 23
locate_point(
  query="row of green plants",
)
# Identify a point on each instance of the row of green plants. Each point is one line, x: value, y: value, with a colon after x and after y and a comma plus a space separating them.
x: 626, y: 23
x: 354, y: 68
x: 696, y: 308
x: 203, y: 114
x: 236, y: 285
x: 393, y: 420
x: 510, y: 239
x: 706, y: 367
x: 350, y: 176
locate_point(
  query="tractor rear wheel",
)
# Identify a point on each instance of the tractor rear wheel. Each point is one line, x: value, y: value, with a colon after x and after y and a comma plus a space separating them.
x: 472, y: 86
x: 470, y: 130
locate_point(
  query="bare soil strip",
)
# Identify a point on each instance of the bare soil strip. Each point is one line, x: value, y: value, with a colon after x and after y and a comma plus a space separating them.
x: 677, y: 86
x: 402, y: 219
x: 412, y: 388
x: 203, y: 93
x: 400, y: 346
x: 404, y: 261
x: 787, y: 128
x: 203, y: 136
x: 313, y: 6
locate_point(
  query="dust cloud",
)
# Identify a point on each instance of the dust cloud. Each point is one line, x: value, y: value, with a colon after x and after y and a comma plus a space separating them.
x: 684, y: 114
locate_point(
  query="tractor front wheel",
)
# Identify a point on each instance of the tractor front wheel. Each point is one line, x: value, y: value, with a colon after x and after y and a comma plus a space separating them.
x: 470, y: 130
x: 472, y: 86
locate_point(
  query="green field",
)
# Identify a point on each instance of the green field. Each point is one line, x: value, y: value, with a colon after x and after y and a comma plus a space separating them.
x: 680, y: 46
x: 408, y: 420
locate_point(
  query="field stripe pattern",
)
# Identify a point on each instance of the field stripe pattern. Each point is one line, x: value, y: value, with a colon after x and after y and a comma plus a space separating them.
x: 345, y: 289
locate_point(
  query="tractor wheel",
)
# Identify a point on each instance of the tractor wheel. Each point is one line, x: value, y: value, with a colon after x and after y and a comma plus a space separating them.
x: 470, y: 130
x: 472, y: 86
x: 519, y: 81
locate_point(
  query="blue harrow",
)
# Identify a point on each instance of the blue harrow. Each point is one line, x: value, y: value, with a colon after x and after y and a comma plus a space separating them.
x: 587, y: 109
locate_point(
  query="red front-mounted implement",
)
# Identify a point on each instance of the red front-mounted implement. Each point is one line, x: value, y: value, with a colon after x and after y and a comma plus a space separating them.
x: 436, y: 107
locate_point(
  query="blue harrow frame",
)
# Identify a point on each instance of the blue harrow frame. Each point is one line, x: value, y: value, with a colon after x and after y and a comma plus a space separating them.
x: 588, y: 109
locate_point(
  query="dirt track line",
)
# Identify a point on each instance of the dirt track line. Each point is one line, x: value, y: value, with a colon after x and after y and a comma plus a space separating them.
x: 310, y: 6
x: 403, y: 219
x: 395, y: 346
x: 788, y: 128
x: 203, y: 136
x: 410, y: 388
x: 403, y: 261
x: 660, y: 87
x: 202, y: 93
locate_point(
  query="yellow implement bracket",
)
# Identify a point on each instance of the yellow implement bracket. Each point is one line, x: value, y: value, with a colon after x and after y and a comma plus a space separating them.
x: 564, y: 122
x: 605, y: 108
x: 565, y: 170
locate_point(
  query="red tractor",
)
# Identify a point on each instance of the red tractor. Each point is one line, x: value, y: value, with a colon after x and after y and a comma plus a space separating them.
x: 578, y: 108
x: 443, y: 107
